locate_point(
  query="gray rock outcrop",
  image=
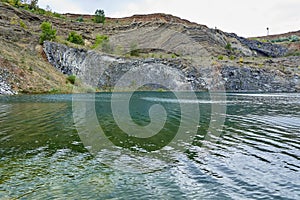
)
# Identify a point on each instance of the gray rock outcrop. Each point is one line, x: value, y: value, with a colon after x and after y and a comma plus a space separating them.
x: 5, y: 88
x: 263, y: 48
x: 105, y: 71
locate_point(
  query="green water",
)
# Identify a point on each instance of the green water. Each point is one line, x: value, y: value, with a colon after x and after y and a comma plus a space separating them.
x: 257, y: 155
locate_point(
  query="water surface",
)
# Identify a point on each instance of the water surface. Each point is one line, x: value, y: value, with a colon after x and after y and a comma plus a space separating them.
x: 257, y: 156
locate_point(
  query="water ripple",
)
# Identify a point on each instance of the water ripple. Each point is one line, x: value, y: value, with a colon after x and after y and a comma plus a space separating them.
x: 257, y: 156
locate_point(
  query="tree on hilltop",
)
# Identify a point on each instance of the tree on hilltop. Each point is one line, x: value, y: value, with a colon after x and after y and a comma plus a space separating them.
x: 32, y: 4
x: 99, y: 16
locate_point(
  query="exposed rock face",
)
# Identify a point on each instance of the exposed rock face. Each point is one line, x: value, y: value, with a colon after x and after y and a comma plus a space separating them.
x: 254, y: 79
x: 105, y: 71
x: 153, y: 31
x: 5, y: 88
x: 176, y: 38
x: 266, y: 49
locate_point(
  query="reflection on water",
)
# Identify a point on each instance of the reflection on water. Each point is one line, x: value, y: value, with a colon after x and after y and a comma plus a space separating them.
x: 257, y: 156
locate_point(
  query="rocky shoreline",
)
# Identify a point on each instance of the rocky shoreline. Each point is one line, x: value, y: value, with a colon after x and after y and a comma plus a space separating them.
x: 5, y: 88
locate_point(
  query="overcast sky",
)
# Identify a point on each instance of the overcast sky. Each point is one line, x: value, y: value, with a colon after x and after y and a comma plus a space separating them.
x: 244, y: 17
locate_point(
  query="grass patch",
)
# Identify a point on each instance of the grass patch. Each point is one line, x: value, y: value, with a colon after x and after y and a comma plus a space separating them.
x: 292, y: 38
x: 220, y: 57
x: 71, y: 79
x: 100, y: 41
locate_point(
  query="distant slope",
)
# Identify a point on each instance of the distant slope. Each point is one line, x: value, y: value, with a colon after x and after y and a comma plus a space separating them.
x: 275, y: 36
x: 294, y: 47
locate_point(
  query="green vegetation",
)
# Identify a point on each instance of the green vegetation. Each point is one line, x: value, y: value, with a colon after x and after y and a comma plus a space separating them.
x: 292, y: 38
x: 99, y: 16
x: 32, y: 6
x: 22, y: 24
x: 48, y: 33
x: 57, y: 15
x: 75, y: 38
x: 220, y: 57
x: 232, y: 57
x: 260, y: 40
x: 80, y: 19
x: 101, y: 41
x: 228, y: 47
x: 174, y: 55
x: 14, y: 21
x: 134, y: 51
x: 71, y: 79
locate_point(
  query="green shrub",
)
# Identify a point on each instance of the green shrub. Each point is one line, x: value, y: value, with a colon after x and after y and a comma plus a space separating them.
x: 100, y: 41
x: 55, y: 14
x: 260, y: 40
x: 99, y: 16
x: 48, y: 33
x: 33, y: 4
x: 134, y: 51
x: 14, y: 21
x: 79, y: 19
x: 17, y: 3
x: 264, y: 41
x: 228, y: 46
x: 292, y: 38
x: 75, y: 38
x: 220, y: 57
x: 232, y: 57
x: 22, y: 24
x: 38, y: 11
x: 71, y: 79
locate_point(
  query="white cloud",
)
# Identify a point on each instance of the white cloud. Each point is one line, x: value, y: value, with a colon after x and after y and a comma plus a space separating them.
x: 66, y: 6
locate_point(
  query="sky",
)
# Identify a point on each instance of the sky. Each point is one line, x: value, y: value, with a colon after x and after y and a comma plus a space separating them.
x: 243, y: 17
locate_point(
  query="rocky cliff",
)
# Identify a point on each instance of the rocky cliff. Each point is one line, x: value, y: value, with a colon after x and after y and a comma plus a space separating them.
x: 104, y: 71
x: 23, y: 66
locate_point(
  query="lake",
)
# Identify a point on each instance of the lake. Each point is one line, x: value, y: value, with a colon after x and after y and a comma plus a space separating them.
x: 222, y: 146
